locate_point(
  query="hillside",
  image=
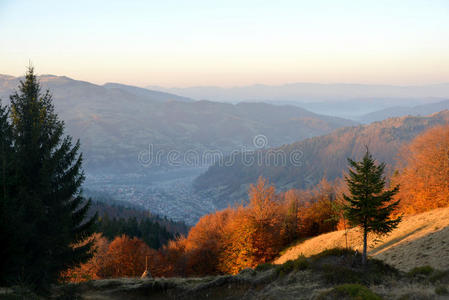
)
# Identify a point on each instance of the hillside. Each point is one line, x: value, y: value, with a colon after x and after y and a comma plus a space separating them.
x: 307, y: 161
x: 418, y: 110
x: 117, y: 122
x: 419, y: 240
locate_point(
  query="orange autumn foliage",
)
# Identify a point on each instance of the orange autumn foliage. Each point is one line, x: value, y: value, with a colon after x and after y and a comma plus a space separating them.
x: 316, y: 211
x: 123, y: 257
x: 246, y: 236
x: 205, y: 242
x: 126, y: 257
x: 227, y: 241
x: 424, y: 172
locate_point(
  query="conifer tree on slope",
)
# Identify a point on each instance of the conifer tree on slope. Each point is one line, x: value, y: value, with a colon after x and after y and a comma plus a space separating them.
x: 48, y: 171
x: 369, y: 204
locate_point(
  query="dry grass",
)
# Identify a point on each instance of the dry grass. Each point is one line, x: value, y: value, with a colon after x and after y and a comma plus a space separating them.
x: 419, y: 240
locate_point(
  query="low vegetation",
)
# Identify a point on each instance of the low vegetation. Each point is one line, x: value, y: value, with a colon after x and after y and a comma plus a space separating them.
x: 350, y: 292
x: 302, y: 278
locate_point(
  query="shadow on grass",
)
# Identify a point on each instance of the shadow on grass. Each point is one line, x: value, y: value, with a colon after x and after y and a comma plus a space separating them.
x: 394, y: 241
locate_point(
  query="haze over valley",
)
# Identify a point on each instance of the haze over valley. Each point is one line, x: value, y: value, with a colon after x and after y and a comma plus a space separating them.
x: 153, y: 148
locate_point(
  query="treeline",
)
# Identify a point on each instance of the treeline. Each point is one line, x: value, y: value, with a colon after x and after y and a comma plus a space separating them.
x: 116, y: 218
x: 111, y: 209
x: 151, y: 232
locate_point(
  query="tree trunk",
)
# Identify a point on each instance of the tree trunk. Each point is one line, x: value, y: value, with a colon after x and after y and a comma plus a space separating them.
x: 365, y: 237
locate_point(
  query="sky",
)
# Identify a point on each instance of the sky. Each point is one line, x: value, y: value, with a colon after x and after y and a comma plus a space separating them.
x: 228, y: 43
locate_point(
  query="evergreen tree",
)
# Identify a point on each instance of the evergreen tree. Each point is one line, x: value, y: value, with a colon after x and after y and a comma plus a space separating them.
x: 369, y: 204
x: 50, y: 209
x: 9, y: 210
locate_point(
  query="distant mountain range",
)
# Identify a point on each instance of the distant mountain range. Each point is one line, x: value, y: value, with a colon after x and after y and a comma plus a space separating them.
x: 398, y: 111
x: 314, y: 158
x: 118, y: 122
x: 310, y: 92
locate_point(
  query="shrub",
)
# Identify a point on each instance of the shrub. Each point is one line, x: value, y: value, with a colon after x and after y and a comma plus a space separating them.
x: 440, y: 276
x: 424, y: 270
x: 350, y: 291
x: 264, y: 267
x: 441, y: 290
x: 285, y: 268
x: 341, y: 265
x: 301, y: 263
x: 337, y: 274
x: 19, y: 292
x: 334, y: 252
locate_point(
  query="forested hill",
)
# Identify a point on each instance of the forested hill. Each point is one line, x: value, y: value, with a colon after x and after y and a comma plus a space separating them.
x: 121, y: 211
x: 119, y: 217
x: 315, y: 158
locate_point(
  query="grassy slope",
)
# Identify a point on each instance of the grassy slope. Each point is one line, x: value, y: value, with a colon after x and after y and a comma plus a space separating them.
x: 419, y: 240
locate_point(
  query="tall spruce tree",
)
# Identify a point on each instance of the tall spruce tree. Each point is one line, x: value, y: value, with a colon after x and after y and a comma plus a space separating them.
x: 50, y: 211
x: 369, y: 204
x: 9, y: 210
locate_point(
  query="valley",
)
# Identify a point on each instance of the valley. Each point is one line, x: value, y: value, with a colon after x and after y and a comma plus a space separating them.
x: 224, y: 150
x: 166, y: 193
x: 165, y: 152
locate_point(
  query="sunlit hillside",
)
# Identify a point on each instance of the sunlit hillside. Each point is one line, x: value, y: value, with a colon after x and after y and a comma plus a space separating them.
x: 419, y: 240
x: 322, y: 156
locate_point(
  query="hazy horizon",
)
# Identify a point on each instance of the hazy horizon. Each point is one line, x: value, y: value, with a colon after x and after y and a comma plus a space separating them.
x: 189, y: 44
x: 150, y: 86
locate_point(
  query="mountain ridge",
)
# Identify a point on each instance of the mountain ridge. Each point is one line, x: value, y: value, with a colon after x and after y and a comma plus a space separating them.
x: 320, y: 156
x: 117, y: 122
x: 310, y: 91
x: 418, y: 110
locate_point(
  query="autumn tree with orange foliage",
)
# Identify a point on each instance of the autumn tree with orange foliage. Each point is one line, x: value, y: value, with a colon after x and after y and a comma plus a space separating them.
x: 126, y: 257
x: 123, y: 257
x: 316, y: 211
x: 256, y: 233
x: 424, y: 176
x: 173, y: 259
x: 205, y: 243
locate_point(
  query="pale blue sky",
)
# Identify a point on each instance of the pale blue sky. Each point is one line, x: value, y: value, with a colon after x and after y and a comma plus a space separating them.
x: 225, y: 43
